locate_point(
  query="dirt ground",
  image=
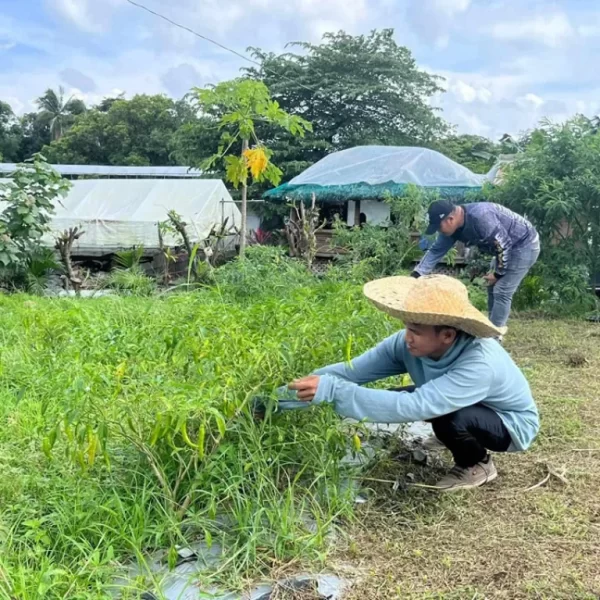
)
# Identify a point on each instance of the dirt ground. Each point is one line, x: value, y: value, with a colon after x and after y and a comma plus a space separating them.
x: 504, y: 540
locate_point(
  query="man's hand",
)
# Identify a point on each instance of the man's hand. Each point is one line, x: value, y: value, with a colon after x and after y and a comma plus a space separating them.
x: 306, y: 387
x: 490, y: 278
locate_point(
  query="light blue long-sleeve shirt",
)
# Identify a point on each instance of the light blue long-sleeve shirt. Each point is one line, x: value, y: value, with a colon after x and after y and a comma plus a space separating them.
x: 472, y: 371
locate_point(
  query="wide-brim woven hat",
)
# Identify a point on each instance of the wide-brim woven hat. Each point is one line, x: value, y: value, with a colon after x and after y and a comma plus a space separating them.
x: 431, y: 300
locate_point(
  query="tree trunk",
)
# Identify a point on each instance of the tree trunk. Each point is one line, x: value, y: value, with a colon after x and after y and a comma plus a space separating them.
x: 244, y: 207
x: 64, y: 244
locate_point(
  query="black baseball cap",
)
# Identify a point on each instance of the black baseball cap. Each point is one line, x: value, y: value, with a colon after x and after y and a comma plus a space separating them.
x: 438, y: 211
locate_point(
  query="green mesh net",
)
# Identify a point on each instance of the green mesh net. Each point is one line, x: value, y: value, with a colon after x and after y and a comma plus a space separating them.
x: 337, y: 194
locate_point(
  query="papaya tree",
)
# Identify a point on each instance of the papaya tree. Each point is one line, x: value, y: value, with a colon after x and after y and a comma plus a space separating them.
x: 239, y: 106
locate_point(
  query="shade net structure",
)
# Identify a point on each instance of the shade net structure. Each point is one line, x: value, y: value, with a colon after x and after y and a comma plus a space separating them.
x: 374, y: 172
x: 121, y: 213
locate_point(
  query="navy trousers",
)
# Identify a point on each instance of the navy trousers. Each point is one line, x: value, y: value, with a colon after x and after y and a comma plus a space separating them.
x: 470, y: 432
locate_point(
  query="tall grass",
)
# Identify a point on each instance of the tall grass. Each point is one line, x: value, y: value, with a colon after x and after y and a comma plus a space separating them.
x: 125, y: 428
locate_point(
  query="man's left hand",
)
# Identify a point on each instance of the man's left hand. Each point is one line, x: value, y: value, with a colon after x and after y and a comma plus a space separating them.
x: 306, y: 387
x: 490, y: 278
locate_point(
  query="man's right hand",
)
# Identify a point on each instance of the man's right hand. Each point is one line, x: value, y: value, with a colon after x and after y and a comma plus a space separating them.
x: 306, y: 388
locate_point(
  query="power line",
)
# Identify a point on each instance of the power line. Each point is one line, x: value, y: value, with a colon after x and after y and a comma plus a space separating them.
x: 222, y: 46
x: 324, y: 98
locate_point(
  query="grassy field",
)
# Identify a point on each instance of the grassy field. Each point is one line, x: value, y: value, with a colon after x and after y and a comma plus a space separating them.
x: 125, y: 428
x: 502, y: 541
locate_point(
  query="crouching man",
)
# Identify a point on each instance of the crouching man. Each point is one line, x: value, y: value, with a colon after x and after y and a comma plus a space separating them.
x: 467, y: 386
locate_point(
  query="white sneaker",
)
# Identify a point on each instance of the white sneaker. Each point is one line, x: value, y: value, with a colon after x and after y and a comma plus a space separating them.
x: 460, y: 478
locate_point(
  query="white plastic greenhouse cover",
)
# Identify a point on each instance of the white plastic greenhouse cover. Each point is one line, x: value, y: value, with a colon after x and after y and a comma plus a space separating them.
x: 382, y: 164
x: 112, y: 171
x: 120, y: 213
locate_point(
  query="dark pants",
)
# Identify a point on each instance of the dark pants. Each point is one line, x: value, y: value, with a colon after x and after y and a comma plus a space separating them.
x: 470, y: 432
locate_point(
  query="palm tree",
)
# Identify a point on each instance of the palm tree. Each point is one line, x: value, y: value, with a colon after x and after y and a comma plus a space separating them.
x: 59, y: 113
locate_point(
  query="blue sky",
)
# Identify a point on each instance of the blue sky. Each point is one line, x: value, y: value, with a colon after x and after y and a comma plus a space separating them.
x: 507, y: 63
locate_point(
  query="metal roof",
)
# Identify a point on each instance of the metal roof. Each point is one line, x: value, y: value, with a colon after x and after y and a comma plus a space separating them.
x: 106, y: 171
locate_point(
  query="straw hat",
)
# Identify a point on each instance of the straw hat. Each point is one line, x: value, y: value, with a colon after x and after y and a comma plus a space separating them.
x: 430, y: 300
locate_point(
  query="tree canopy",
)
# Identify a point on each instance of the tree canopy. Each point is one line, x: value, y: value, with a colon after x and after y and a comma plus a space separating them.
x: 355, y: 90
x: 555, y: 182
x: 139, y: 131
x: 59, y: 113
x: 10, y: 133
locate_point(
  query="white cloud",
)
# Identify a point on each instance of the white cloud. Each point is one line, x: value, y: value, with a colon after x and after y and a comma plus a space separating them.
x: 471, y: 123
x: 77, y: 12
x: 219, y: 18
x: 15, y: 103
x: 516, y: 65
x: 588, y: 31
x: 30, y: 36
x: 550, y: 30
x: 181, y: 79
x: 491, y: 105
x: 433, y: 20
x: 452, y: 7
x: 139, y: 72
x: 464, y: 92
x: 90, y: 16
x: 467, y: 94
x: 322, y: 16
x: 78, y: 79
x: 5, y: 46
x: 484, y: 95
x: 530, y: 100
x: 486, y: 86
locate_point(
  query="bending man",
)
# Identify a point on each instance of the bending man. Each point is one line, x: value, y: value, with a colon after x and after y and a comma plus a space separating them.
x: 509, y: 237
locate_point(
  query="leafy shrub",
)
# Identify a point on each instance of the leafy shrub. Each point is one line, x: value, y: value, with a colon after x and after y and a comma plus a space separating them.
x: 33, y: 274
x: 265, y: 271
x: 478, y: 295
x: 386, y: 250
x: 531, y: 293
x: 556, y: 288
x: 390, y: 248
x: 127, y: 259
x: 567, y: 287
x: 555, y: 182
x: 132, y: 281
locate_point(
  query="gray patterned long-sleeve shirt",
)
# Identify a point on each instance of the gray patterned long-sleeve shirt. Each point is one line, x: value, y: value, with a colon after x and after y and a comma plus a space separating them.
x: 494, y: 229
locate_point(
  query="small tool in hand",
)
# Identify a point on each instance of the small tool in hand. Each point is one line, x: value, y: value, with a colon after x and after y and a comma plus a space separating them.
x: 284, y: 399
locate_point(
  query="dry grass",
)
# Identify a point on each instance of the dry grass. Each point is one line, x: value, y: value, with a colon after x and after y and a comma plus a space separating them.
x: 306, y: 591
x: 501, y: 541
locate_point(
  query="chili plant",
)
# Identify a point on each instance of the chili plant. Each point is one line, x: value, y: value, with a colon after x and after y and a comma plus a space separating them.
x: 127, y: 428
